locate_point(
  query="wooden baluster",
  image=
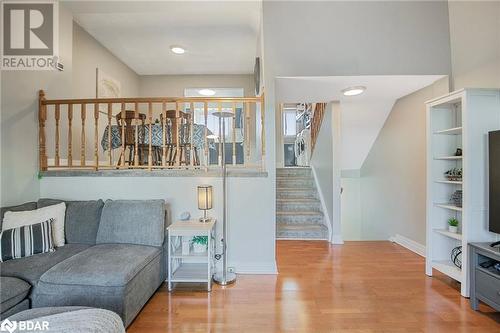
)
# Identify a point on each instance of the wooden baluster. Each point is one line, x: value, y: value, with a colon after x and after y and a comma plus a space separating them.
x: 207, y: 157
x: 234, y: 133
x: 82, y: 136
x: 164, y: 135
x: 247, y: 133
x: 70, y: 135
x: 136, y: 143
x: 219, y: 155
x: 150, y: 116
x: 122, y: 119
x: 42, y: 117
x: 191, y: 121
x: 96, y: 136
x: 57, y: 117
x: 177, y: 139
x: 110, y: 149
x: 263, y: 131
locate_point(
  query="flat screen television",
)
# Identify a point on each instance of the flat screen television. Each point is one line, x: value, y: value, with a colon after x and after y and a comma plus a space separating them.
x: 494, y: 180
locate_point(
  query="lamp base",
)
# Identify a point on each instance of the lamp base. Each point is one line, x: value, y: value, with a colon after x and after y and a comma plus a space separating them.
x: 219, y: 278
x: 205, y: 219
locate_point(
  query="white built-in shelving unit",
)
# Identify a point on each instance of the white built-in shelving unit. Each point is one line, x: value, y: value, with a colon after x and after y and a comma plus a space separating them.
x: 460, y: 119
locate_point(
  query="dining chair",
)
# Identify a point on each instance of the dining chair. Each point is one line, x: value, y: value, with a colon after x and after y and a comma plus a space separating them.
x: 184, y: 147
x: 127, y: 121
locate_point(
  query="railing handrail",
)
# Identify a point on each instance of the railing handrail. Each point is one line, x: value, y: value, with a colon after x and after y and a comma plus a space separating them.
x: 151, y: 100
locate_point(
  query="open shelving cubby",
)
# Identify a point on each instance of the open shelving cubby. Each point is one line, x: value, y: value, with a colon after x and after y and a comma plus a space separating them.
x: 462, y: 120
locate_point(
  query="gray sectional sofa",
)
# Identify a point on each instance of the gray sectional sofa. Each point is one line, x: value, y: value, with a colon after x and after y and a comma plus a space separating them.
x: 114, y: 258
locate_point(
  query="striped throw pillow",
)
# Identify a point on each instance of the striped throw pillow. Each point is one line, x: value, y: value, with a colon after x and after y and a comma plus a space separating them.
x: 26, y: 241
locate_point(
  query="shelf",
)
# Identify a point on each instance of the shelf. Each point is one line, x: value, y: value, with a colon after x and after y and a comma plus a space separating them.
x: 191, y: 273
x: 449, y: 206
x: 454, y: 182
x: 450, y: 131
x: 199, y: 256
x: 446, y: 233
x: 446, y: 267
x: 448, y: 157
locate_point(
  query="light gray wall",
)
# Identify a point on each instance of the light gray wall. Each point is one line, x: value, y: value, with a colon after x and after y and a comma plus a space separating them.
x: 19, y: 118
x: 174, y: 85
x: 351, y: 208
x: 90, y: 54
x: 475, y: 43
x: 393, y: 174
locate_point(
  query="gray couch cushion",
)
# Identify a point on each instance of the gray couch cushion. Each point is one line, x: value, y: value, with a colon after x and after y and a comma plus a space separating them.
x: 117, y: 277
x: 32, y: 268
x: 12, y: 292
x: 42, y: 312
x: 19, y: 208
x: 139, y: 222
x: 24, y: 305
x: 81, y: 220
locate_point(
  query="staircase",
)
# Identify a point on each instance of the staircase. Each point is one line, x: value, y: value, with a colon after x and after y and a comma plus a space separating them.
x: 298, y: 210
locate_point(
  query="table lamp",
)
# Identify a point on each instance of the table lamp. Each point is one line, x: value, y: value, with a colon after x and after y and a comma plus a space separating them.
x: 205, y: 201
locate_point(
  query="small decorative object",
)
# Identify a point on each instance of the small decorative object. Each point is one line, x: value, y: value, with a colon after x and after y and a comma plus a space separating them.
x: 453, y: 225
x: 186, y: 245
x: 454, y: 174
x: 456, y: 198
x: 205, y: 201
x: 456, y: 256
x: 200, y: 244
x: 458, y: 152
x: 185, y: 216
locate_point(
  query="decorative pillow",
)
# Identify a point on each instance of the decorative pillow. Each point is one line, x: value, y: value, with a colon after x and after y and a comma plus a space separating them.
x: 18, y: 219
x: 26, y: 240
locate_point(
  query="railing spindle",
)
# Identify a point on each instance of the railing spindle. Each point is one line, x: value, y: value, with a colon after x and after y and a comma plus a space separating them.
x: 191, y: 145
x: 136, y: 139
x: 110, y: 148
x: 83, y: 115
x: 150, y: 116
x: 96, y: 136
x: 122, y: 119
x: 164, y: 135
x: 42, y: 117
x: 247, y: 132
x: 205, y: 113
x: 70, y: 135
x: 234, y: 133
x: 57, y: 115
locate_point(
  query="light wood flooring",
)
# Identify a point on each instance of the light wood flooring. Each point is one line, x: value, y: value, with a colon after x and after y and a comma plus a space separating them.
x: 357, y: 287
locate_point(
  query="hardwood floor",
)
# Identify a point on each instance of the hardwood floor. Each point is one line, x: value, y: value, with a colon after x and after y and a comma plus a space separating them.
x: 356, y: 287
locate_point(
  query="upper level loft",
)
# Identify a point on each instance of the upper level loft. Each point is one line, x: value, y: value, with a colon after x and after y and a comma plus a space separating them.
x: 132, y: 136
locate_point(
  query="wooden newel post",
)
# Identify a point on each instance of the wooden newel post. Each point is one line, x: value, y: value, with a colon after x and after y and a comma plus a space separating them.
x: 42, y: 117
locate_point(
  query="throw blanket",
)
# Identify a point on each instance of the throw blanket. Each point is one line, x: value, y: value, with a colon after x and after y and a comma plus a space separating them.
x: 80, y: 321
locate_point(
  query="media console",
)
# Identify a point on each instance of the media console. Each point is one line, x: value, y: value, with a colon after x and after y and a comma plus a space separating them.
x: 484, y: 278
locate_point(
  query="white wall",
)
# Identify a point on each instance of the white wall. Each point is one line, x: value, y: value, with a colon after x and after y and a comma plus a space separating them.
x: 475, y: 43
x: 351, y: 206
x: 19, y: 118
x: 251, y: 230
x: 393, y: 174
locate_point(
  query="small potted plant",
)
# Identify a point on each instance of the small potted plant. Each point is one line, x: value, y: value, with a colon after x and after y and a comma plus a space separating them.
x: 453, y: 225
x: 200, y: 244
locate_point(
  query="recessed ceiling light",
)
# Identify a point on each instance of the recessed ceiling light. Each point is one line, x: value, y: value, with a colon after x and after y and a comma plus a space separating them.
x: 177, y: 49
x: 353, y: 91
x: 206, y: 92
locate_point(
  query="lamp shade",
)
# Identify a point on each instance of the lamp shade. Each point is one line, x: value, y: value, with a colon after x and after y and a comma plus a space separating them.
x: 205, y: 197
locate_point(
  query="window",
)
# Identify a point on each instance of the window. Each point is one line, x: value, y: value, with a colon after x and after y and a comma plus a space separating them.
x: 289, y: 123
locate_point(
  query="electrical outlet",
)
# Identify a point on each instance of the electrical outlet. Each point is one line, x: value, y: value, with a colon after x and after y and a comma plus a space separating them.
x: 231, y: 270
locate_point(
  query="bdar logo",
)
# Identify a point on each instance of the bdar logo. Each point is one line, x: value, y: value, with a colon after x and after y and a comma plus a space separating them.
x: 8, y: 326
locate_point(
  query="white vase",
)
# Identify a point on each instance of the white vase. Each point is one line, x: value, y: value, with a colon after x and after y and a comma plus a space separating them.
x: 199, y: 248
x: 453, y: 229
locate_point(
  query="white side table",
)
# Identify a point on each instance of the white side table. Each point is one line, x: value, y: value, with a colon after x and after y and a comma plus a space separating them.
x: 194, y: 267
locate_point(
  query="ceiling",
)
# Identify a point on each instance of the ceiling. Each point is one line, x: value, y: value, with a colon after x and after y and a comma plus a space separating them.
x: 219, y: 37
x: 363, y: 116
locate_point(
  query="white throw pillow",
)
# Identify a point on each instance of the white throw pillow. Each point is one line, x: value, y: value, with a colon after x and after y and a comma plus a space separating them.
x: 57, y: 212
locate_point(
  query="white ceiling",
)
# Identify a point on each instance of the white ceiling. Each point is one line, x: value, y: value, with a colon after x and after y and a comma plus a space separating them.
x: 363, y: 116
x: 219, y: 37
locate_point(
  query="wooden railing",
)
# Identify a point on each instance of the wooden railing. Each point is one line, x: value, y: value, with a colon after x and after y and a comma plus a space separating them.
x: 156, y: 132
x: 317, y: 120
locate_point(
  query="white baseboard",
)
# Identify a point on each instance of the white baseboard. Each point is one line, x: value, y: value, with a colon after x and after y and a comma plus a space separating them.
x: 257, y: 268
x: 410, y: 244
x: 337, y: 239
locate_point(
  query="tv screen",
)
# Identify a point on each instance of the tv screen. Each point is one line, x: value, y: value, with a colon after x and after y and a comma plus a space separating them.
x: 494, y: 177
